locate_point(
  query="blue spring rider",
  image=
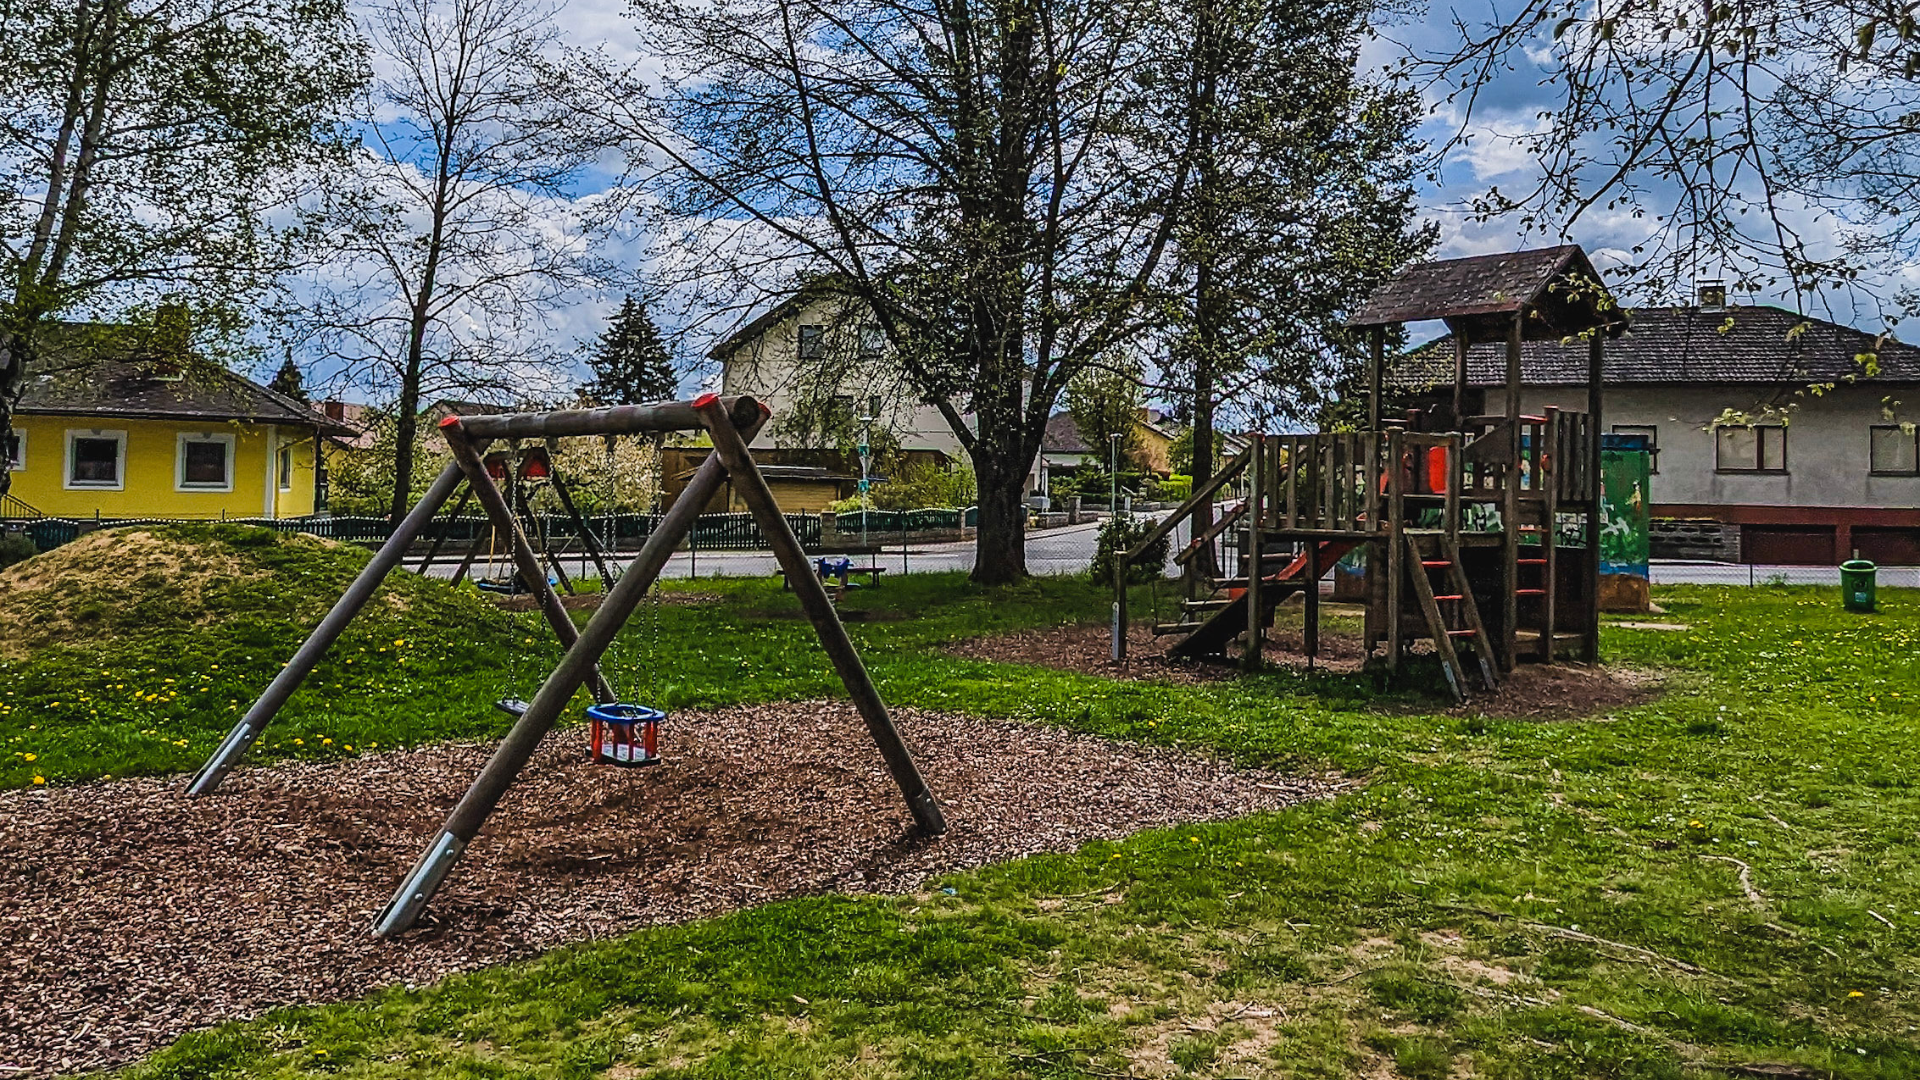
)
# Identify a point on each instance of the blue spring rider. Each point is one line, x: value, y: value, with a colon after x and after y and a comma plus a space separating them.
x: 626, y: 735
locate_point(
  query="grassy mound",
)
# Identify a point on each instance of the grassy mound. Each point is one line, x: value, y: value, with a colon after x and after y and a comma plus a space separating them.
x: 134, y: 650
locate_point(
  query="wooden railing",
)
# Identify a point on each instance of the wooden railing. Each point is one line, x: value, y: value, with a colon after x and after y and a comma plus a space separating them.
x: 1340, y: 482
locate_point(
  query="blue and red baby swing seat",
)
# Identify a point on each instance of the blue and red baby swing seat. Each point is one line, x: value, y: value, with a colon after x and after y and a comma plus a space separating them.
x: 626, y: 735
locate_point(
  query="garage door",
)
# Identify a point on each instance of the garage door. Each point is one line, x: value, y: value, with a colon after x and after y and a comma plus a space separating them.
x: 1888, y: 546
x: 1787, y: 545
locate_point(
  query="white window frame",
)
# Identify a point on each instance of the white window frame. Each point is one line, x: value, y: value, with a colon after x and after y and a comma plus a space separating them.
x: 180, y: 459
x: 18, y: 461
x: 119, y: 482
x: 283, y: 465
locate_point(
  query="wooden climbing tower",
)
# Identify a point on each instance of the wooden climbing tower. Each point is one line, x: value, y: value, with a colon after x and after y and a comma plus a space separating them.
x: 1474, y: 526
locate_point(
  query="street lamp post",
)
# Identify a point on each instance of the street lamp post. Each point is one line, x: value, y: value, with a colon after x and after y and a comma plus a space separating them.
x: 1113, y: 466
x: 866, y: 459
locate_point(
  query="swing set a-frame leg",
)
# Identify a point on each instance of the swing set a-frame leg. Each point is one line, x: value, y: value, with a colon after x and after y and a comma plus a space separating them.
x: 261, y: 713
x: 544, y: 710
x: 731, y: 448
x: 467, y: 457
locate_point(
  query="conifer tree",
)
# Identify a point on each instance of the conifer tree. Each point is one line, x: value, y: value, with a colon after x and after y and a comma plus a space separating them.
x: 289, y: 381
x: 630, y: 362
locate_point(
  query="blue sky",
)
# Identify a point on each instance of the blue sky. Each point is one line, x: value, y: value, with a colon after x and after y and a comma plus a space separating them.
x: 1491, y: 157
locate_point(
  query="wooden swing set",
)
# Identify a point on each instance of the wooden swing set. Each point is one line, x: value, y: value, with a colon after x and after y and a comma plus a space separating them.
x: 731, y: 423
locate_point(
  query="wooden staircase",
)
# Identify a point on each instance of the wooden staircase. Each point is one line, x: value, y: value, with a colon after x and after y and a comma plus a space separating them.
x: 1452, y: 617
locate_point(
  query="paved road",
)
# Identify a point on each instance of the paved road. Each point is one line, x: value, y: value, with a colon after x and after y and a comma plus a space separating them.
x: 1067, y: 550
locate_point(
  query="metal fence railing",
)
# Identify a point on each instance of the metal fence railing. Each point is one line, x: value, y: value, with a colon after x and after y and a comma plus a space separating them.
x: 902, y: 521
x: 1665, y: 572
x: 711, y: 532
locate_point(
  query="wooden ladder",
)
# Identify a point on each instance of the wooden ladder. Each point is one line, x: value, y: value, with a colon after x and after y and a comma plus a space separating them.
x: 1465, y: 627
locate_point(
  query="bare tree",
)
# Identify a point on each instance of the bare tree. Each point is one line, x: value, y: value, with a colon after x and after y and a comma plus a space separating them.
x: 457, y: 235
x: 971, y: 171
x: 1736, y: 131
x: 142, y: 145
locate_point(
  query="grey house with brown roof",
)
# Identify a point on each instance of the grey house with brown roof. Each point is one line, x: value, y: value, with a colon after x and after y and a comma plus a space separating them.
x: 1778, y: 438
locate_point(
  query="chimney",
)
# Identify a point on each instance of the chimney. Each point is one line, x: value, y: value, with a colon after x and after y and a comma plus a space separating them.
x: 1713, y: 295
x: 335, y: 410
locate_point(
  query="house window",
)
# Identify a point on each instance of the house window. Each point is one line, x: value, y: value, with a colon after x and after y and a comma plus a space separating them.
x: 1754, y: 448
x: 1893, y: 450
x: 205, y: 463
x: 96, y: 459
x: 1653, y: 441
x: 813, y: 342
x: 15, y: 446
x: 286, y: 468
x: 873, y: 340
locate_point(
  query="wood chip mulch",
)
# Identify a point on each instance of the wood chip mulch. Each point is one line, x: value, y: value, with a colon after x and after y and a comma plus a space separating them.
x: 1562, y: 691
x: 130, y: 915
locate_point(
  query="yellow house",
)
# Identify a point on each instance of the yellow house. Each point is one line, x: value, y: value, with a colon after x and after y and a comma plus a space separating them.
x: 115, y: 431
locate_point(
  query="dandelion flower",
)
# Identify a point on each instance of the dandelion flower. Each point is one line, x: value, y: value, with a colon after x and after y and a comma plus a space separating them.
x: 39, y: 779
x: 31, y: 757
x: 1855, y: 994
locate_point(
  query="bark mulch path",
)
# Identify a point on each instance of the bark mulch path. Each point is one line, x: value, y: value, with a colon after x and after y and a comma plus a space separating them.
x: 1087, y: 648
x: 1561, y: 691
x: 129, y: 915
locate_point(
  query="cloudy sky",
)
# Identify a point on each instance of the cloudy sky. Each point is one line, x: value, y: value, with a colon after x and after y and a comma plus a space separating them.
x: 1491, y: 157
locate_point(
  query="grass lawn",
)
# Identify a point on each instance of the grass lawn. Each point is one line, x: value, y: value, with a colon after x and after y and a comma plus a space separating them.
x: 1709, y: 885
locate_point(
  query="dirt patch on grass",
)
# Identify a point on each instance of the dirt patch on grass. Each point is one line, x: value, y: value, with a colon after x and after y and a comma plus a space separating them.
x: 1088, y: 649
x: 133, y: 915
x: 1561, y: 691
x: 1534, y: 691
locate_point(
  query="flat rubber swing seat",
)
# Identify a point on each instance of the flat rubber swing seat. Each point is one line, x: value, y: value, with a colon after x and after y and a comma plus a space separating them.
x: 512, y: 706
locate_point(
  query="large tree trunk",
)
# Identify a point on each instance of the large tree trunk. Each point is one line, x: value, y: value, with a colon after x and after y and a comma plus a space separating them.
x: 406, y: 433
x: 1209, y: 306
x: 1000, y: 544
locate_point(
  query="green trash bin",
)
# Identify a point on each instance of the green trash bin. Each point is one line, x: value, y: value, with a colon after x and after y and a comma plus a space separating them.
x: 1856, y: 584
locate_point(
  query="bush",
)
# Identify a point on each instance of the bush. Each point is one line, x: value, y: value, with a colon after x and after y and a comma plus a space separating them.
x: 1119, y: 534
x: 1174, y: 488
x: 917, y: 486
x: 15, y: 547
x: 1094, y: 484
